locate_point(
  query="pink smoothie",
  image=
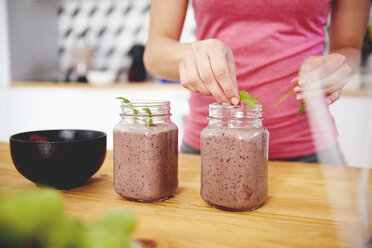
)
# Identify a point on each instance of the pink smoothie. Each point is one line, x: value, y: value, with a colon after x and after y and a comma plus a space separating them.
x: 146, y: 163
x: 234, y: 167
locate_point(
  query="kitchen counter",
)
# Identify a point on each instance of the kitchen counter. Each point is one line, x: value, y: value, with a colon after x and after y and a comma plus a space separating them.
x: 309, y: 205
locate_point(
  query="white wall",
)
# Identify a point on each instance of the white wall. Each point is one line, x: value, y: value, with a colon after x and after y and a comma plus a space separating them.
x: 4, y: 67
x: 353, y: 116
x: 36, y: 108
x: 4, y: 46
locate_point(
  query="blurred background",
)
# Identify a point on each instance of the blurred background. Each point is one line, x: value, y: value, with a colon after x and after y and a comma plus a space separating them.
x: 62, y: 63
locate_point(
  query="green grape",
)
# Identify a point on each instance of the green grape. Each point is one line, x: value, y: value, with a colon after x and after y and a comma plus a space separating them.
x: 120, y: 220
x: 69, y: 234
x: 29, y: 216
x: 111, y: 231
x: 36, y: 219
x: 98, y: 236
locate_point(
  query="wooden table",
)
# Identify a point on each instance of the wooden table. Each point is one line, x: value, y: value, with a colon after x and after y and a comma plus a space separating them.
x: 309, y: 205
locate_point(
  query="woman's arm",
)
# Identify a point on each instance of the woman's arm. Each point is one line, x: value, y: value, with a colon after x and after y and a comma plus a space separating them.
x: 348, y: 25
x: 331, y: 72
x: 205, y: 66
x: 163, y: 51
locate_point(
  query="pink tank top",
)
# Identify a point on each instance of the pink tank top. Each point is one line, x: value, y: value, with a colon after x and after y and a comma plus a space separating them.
x: 270, y: 39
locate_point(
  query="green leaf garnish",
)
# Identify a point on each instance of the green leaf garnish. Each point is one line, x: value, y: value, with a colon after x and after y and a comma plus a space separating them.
x: 148, y: 111
x: 136, y: 112
x: 246, y: 98
x: 122, y: 98
x: 302, y: 108
x: 125, y: 101
x: 303, y: 104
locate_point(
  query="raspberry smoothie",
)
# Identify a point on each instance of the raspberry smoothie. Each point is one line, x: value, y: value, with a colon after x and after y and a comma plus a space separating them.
x: 146, y: 162
x: 234, y: 167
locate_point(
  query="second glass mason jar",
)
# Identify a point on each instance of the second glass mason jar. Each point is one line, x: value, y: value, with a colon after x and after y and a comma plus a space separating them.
x: 146, y: 152
x: 234, y: 157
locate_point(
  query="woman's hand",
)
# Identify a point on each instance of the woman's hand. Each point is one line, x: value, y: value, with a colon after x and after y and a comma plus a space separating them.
x: 327, y: 74
x: 208, y: 67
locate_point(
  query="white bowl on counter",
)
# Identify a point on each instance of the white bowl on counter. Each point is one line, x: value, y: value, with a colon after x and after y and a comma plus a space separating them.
x: 101, y: 77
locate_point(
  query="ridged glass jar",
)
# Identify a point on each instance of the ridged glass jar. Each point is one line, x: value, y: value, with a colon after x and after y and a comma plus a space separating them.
x: 146, y: 152
x: 234, y: 157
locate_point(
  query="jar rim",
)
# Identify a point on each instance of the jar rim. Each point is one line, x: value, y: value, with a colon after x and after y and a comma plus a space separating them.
x: 146, y: 108
x: 243, y: 107
x: 231, y: 112
x: 144, y: 115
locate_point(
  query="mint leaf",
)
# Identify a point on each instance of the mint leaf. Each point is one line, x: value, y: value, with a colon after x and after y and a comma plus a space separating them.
x: 246, y: 98
x: 148, y: 111
x: 135, y: 111
x: 122, y: 98
x: 302, y: 108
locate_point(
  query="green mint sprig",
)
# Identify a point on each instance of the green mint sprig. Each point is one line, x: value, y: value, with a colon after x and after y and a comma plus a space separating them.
x: 246, y: 98
x: 148, y: 111
x: 135, y: 111
x: 302, y: 108
x: 124, y: 99
x: 147, y: 121
x: 303, y: 104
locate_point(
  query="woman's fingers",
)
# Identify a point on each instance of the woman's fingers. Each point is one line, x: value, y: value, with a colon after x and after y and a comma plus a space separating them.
x: 209, y: 68
x: 325, y: 75
x: 183, y: 78
x: 328, y: 85
x: 232, y: 69
x: 333, y: 97
x: 221, y: 72
x: 295, y: 81
x: 192, y: 74
x: 210, y: 82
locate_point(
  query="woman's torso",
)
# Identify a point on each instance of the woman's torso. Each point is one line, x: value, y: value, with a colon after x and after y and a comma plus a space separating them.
x: 270, y: 39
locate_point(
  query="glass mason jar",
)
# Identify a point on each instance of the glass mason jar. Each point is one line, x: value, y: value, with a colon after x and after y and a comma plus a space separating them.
x: 146, y: 152
x: 234, y: 157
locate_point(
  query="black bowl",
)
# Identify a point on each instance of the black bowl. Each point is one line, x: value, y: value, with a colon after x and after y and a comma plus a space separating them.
x: 67, y: 160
